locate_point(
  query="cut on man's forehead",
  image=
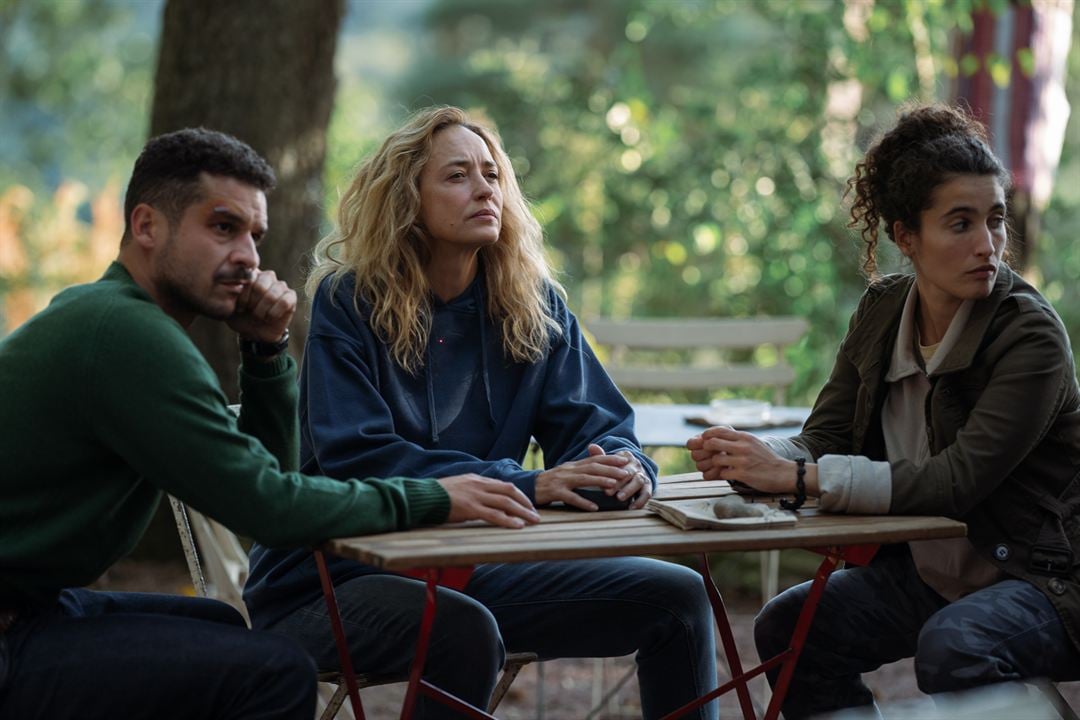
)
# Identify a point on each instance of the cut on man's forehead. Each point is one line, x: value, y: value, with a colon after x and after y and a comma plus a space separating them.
x: 225, y: 212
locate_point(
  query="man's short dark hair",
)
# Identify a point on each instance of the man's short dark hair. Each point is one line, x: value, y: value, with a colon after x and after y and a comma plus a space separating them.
x: 166, y: 174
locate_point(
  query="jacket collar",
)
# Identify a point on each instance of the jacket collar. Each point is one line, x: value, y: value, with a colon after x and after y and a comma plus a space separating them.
x: 904, y: 362
x: 872, y: 339
x: 982, y: 314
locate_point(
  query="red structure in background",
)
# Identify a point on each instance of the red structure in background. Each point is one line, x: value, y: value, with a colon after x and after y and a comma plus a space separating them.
x: 1012, y: 75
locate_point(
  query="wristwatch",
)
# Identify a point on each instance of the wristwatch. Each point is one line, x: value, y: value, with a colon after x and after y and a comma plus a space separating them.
x: 259, y: 349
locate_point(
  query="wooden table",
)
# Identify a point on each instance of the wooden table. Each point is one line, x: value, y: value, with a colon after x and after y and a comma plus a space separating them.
x: 567, y: 534
x: 665, y: 425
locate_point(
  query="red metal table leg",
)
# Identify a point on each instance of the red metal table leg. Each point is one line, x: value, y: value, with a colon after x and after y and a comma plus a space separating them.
x: 422, y: 643
x: 454, y: 702
x: 416, y: 683
x: 738, y: 677
x: 787, y: 660
x: 339, y: 636
x: 738, y: 681
x: 798, y: 638
x: 727, y: 639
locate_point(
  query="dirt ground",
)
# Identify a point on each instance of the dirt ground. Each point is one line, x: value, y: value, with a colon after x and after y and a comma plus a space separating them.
x: 570, y: 689
x: 564, y: 689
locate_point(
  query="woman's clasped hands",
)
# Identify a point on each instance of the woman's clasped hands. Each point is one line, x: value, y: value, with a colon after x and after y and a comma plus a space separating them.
x: 619, y: 474
x: 724, y: 453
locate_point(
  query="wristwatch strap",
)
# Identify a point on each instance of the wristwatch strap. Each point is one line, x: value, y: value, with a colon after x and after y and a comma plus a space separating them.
x: 256, y: 348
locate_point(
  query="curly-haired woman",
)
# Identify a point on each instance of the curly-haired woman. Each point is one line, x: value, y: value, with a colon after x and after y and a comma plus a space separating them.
x: 439, y: 345
x: 954, y: 393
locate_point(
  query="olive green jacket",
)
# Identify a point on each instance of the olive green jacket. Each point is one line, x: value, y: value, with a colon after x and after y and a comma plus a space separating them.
x: 1002, y: 421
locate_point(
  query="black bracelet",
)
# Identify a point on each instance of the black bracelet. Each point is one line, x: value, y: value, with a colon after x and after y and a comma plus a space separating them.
x: 800, y: 487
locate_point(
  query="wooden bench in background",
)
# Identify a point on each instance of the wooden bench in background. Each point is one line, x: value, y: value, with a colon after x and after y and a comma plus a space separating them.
x: 698, y: 354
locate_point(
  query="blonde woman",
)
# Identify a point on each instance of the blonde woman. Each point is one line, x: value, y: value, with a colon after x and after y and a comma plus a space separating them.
x: 439, y: 345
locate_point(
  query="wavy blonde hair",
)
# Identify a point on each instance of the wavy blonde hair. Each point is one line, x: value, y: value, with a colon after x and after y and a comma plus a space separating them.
x: 380, y: 239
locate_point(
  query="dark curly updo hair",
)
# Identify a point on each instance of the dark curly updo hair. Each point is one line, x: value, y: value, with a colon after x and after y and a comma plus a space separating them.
x: 898, y: 176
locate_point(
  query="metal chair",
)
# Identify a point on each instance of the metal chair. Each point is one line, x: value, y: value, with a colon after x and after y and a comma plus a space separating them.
x: 1052, y: 695
x: 227, y: 565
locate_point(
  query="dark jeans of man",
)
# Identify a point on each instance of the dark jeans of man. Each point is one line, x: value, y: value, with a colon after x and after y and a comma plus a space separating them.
x: 873, y: 615
x: 580, y: 608
x: 140, y: 655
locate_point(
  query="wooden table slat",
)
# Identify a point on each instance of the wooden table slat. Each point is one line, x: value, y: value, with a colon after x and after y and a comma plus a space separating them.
x: 639, y: 535
x: 483, y: 534
x: 678, y: 478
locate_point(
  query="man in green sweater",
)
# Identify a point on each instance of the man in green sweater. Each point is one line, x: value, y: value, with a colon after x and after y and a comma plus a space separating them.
x: 107, y: 405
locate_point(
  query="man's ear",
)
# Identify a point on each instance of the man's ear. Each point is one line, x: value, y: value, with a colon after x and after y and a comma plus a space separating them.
x: 147, y: 225
x: 904, y: 237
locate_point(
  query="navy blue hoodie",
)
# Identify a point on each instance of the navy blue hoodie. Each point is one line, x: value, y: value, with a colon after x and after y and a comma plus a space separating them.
x: 470, y: 409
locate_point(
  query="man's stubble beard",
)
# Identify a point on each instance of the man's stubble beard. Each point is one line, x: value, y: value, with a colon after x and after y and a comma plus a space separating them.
x: 176, y: 284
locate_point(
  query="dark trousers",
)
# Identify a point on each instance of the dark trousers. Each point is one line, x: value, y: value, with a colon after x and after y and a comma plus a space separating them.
x: 873, y: 615
x: 139, y: 655
x: 583, y: 608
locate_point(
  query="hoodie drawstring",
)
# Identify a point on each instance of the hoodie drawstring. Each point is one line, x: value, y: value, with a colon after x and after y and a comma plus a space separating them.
x: 479, y: 309
x: 431, y: 398
x: 482, y: 318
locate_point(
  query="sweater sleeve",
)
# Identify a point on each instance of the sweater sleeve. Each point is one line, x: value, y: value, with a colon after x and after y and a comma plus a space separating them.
x: 268, y: 408
x: 849, y: 483
x: 156, y: 404
x: 580, y: 403
x: 854, y: 484
x: 348, y: 423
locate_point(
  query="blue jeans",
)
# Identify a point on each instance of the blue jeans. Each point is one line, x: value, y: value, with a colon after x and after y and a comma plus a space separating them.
x: 873, y: 615
x: 581, y: 608
x: 136, y: 655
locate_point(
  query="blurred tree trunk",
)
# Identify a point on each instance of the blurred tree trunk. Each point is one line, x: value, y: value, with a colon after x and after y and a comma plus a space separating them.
x: 262, y: 70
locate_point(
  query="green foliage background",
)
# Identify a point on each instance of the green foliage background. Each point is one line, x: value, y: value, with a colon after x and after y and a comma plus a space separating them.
x: 682, y: 154
x: 75, y: 86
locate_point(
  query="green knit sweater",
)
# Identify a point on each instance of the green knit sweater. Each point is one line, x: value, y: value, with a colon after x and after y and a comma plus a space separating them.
x: 105, y: 403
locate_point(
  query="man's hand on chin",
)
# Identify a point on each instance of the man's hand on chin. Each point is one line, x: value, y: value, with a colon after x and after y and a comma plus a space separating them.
x: 264, y: 309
